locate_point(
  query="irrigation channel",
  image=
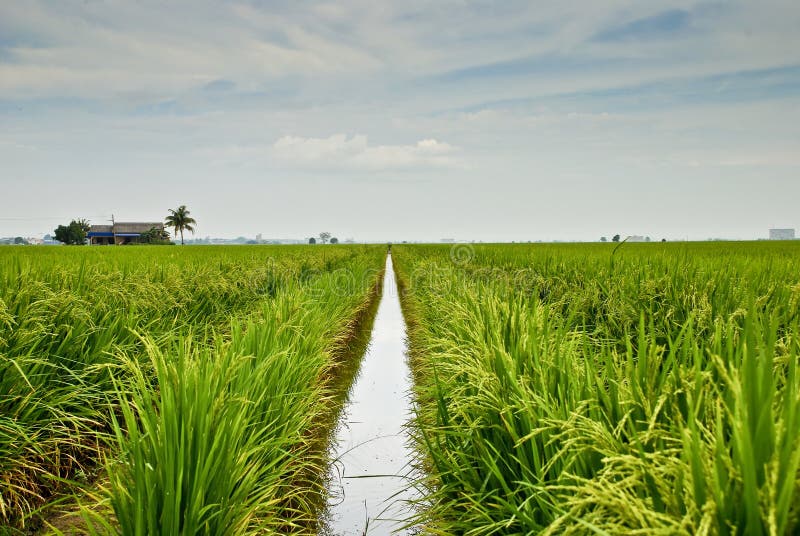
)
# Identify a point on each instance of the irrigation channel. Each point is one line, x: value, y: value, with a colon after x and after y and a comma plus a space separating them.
x: 369, y: 479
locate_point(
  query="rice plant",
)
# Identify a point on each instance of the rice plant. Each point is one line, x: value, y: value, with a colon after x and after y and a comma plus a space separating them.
x: 570, y: 390
x: 112, y: 353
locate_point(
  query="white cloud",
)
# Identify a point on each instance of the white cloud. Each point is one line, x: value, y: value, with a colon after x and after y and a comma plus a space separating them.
x: 355, y: 152
x: 101, y: 49
x: 529, y: 102
x: 95, y: 50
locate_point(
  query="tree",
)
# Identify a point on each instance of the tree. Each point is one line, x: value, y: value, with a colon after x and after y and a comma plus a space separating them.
x: 616, y: 238
x: 603, y: 239
x: 312, y: 240
x: 180, y: 220
x: 74, y: 233
x: 20, y: 241
x: 324, y: 237
x: 334, y: 240
x: 155, y: 235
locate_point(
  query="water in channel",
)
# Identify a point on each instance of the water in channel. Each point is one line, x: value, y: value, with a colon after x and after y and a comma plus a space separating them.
x: 369, y: 480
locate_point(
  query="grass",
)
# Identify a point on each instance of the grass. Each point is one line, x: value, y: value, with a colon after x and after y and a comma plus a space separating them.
x: 199, y: 375
x: 573, y: 390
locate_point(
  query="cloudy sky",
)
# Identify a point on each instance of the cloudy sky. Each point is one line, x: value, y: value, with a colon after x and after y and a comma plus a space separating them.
x: 413, y: 120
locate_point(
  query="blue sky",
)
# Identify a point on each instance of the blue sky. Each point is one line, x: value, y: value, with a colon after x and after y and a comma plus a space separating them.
x: 416, y: 120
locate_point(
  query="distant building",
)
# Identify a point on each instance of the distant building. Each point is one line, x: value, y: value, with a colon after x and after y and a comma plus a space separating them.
x: 781, y: 234
x: 120, y: 232
x: 48, y: 240
x: 637, y: 238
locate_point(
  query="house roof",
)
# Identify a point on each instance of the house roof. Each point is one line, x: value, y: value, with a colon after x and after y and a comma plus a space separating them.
x: 130, y: 228
x: 136, y: 227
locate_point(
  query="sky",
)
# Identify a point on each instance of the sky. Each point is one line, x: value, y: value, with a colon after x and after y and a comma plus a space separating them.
x: 414, y: 120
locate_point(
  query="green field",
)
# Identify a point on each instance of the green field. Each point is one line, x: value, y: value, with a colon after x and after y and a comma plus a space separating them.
x: 584, y: 389
x: 172, y: 390
x: 560, y: 389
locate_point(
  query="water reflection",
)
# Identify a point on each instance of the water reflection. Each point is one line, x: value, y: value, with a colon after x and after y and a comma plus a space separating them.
x: 370, y: 478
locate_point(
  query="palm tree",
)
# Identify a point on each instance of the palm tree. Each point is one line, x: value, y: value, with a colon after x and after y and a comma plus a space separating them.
x: 180, y: 220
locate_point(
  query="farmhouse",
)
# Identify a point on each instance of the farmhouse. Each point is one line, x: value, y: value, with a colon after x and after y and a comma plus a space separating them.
x: 120, y: 232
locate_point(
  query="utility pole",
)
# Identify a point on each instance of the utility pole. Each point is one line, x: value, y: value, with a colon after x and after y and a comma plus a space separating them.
x: 113, y: 232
